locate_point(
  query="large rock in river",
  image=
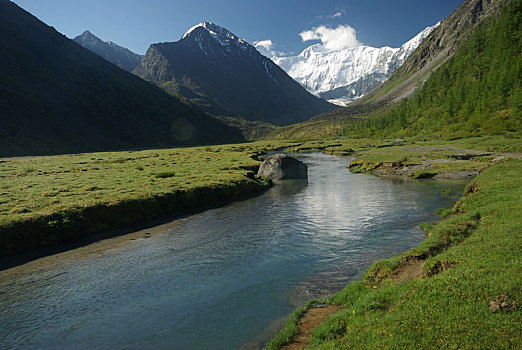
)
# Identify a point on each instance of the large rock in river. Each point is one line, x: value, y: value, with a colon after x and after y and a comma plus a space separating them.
x: 283, y: 167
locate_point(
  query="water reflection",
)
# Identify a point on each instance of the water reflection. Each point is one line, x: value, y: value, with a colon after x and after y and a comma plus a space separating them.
x: 287, y: 188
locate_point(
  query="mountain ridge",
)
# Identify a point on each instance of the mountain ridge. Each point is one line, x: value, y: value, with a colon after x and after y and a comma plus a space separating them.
x: 433, y: 52
x: 112, y: 52
x: 437, y: 49
x: 226, y: 76
x: 405, y: 104
x: 349, y: 73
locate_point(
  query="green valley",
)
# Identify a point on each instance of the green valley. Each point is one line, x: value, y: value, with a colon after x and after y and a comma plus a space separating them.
x: 450, y: 117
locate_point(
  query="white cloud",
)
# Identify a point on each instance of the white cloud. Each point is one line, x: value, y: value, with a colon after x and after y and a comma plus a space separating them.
x: 336, y: 15
x: 264, y: 44
x: 308, y: 35
x: 332, y: 39
x: 266, y: 48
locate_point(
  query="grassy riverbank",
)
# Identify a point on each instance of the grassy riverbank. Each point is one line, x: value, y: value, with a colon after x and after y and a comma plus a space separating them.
x: 451, y: 159
x: 49, y: 200
x: 460, y: 288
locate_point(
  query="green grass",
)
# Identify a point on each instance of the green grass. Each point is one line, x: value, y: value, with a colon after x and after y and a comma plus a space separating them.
x: 47, y: 200
x: 313, y: 129
x: 164, y: 175
x: 470, y: 257
x: 437, y: 156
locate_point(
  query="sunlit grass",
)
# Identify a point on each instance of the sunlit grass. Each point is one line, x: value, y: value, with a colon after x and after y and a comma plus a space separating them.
x: 36, y: 189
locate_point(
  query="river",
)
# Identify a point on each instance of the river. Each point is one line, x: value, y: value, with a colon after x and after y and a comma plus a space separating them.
x: 224, y: 278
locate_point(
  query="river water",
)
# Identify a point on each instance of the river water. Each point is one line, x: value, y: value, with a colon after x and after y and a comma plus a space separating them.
x: 223, y: 278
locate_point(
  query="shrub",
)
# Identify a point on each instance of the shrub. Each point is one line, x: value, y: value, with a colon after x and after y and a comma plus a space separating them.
x: 164, y: 174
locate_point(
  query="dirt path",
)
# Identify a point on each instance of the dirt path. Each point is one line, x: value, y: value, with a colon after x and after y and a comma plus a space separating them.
x: 311, y: 319
x: 316, y: 315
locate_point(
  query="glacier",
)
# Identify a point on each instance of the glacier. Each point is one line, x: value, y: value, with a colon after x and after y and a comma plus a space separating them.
x: 341, y: 76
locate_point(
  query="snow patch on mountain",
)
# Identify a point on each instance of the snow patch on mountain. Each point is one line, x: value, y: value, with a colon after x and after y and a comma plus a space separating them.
x: 226, y: 41
x: 268, y: 65
x: 346, y: 74
x: 221, y: 35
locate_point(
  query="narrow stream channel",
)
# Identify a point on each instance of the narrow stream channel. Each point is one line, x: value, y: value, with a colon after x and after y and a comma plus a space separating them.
x: 219, y: 279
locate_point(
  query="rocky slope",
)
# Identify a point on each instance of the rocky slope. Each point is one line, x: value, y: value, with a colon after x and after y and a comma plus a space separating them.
x: 226, y: 76
x: 120, y: 56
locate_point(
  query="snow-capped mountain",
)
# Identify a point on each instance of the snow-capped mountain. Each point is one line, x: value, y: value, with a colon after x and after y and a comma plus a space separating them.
x: 223, y: 36
x: 120, y: 56
x: 343, y: 75
x: 226, y: 76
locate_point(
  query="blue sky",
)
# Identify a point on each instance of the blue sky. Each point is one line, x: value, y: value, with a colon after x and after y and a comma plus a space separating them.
x: 136, y: 24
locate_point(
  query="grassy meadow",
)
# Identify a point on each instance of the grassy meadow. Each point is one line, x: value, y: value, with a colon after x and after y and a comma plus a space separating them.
x: 437, y: 157
x: 48, y: 200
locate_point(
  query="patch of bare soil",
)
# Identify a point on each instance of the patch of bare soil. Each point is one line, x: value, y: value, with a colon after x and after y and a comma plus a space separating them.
x: 311, y: 319
x: 458, y: 175
x: 501, y: 302
x: 409, y: 271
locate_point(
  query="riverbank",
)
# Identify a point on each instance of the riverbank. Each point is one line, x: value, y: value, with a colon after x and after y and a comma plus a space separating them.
x: 461, y: 159
x: 457, y: 289
x: 49, y: 201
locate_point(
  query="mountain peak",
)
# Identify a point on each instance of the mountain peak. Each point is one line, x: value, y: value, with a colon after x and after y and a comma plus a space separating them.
x: 118, y: 55
x: 209, y: 26
x: 226, y: 76
x: 87, y: 39
x: 87, y: 32
x: 221, y: 35
x: 87, y: 35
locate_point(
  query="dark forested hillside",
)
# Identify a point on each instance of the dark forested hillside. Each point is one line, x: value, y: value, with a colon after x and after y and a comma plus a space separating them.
x: 478, y: 91
x: 57, y: 97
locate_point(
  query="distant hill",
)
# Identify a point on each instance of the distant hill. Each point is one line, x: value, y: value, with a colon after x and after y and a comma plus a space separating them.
x: 227, y: 76
x: 57, y: 97
x: 464, y: 79
x: 120, y: 56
